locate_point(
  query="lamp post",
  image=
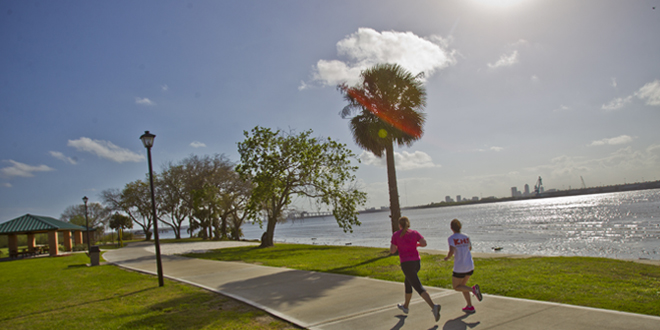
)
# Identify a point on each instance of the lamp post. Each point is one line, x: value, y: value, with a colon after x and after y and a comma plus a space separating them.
x: 148, y: 141
x: 85, y: 199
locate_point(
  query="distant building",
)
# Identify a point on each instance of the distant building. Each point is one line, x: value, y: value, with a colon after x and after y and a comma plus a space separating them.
x: 448, y: 199
x: 458, y: 198
x: 515, y: 192
x: 526, y: 193
x: 475, y: 198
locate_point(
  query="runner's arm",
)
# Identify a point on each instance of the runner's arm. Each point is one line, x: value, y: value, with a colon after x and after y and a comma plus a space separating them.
x: 422, y: 242
x: 452, y: 250
x: 393, y: 249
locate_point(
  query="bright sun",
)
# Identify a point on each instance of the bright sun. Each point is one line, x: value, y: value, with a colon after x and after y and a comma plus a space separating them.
x: 499, y: 3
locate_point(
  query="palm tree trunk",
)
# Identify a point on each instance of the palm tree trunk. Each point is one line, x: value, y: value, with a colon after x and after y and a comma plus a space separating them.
x: 395, y: 209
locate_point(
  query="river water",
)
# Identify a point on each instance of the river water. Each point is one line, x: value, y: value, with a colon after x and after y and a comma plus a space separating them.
x: 624, y: 225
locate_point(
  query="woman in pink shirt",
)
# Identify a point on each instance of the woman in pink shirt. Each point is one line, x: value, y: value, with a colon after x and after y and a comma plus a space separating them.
x: 406, y: 242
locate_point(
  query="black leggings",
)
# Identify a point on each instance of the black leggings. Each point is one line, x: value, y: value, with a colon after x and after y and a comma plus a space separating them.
x: 410, y: 269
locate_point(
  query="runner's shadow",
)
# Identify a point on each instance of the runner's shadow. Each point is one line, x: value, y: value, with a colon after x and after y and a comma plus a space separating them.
x: 458, y: 324
x: 399, y: 325
x: 402, y: 321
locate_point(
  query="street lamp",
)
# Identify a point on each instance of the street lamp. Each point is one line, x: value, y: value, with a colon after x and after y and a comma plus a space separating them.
x: 85, y: 199
x: 148, y: 141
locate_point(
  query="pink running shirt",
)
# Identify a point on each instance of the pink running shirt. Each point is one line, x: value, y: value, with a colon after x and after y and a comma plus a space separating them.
x: 407, y: 245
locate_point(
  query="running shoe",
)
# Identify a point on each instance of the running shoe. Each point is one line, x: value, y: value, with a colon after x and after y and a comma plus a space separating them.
x: 469, y: 310
x: 405, y: 310
x: 436, y: 312
x: 477, y: 292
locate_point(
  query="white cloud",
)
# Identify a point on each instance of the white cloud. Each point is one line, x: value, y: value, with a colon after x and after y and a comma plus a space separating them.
x: 404, y: 161
x: 62, y: 157
x: 505, y: 60
x: 623, y: 139
x: 621, y: 160
x: 520, y: 42
x: 650, y: 92
x: 23, y: 170
x: 562, y: 108
x: 165, y: 88
x: 7, y: 185
x: 496, y: 149
x: 144, y: 101
x: 613, y: 82
x: 534, y: 79
x: 368, y: 47
x: 617, y: 103
x: 197, y: 144
x: 105, y: 149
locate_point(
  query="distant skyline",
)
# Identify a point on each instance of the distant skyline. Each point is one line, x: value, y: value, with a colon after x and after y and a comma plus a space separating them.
x: 516, y: 89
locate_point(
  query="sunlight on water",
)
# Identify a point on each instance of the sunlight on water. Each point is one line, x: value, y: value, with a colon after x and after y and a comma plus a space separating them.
x: 622, y: 225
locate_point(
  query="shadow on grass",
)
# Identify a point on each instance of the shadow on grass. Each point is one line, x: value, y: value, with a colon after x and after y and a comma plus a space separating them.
x: 77, y: 266
x: 343, y: 270
x: 184, y: 313
x: 77, y: 305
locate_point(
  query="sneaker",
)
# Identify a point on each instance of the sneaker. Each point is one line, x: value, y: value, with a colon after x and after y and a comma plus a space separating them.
x: 469, y: 310
x: 405, y: 310
x: 436, y: 312
x: 477, y: 292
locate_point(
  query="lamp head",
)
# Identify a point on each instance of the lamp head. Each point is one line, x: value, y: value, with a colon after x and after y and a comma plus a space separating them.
x: 147, y: 139
x: 85, y: 199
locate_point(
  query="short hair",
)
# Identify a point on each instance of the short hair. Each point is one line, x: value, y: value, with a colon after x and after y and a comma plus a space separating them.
x: 456, y: 225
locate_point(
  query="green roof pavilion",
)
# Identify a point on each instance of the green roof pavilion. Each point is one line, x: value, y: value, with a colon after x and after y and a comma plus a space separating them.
x: 34, y: 224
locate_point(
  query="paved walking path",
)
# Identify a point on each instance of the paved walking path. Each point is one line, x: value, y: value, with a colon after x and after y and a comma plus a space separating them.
x: 329, y: 301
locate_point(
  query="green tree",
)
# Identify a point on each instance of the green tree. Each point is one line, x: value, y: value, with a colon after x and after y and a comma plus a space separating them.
x: 282, y: 166
x: 212, y: 191
x: 171, y: 191
x: 135, y: 201
x: 119, y: 222
x: 386, y: 108
x: 97, y: 216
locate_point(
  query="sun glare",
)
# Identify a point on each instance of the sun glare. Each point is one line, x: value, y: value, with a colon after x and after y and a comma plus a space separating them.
x: 498, y: 3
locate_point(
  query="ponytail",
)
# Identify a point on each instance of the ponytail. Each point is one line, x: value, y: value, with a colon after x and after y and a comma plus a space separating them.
x: 404, y: 223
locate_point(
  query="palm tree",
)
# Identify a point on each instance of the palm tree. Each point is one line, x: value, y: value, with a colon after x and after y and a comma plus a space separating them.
x: 387, y: 106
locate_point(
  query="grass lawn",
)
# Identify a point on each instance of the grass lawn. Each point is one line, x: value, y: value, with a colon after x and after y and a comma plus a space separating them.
x: 62, y: 292
x: 585, y: 281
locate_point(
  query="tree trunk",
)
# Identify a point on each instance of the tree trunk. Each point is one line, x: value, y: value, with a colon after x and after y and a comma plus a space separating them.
x: 223, y: 226
x: 267, y: 237
x: 395, y: 209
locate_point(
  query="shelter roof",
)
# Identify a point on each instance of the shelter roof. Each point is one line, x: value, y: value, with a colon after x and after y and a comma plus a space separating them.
x: 34, y: 223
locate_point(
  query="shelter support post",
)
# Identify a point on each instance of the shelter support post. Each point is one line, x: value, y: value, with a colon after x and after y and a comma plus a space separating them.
x: 77, y: 237
x: 13, y: 242
x: 52, y: 243
x: 30, y: 243
x: 66, y: 237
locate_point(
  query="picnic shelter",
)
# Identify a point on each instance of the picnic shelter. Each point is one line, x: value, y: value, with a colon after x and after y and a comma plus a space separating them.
x: 34, y: 224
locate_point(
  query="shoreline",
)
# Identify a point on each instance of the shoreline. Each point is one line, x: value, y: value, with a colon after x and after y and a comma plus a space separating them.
x: 492, y: 255
x: 200, y: 247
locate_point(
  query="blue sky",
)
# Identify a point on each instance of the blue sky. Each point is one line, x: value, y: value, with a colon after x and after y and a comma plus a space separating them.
x: 517, y: 89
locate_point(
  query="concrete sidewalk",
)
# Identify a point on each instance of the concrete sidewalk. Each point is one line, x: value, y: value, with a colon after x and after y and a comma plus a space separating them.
x: 329, y: 301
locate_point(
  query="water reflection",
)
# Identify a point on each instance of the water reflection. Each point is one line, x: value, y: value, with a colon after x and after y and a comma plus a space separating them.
x: 617, y: 225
